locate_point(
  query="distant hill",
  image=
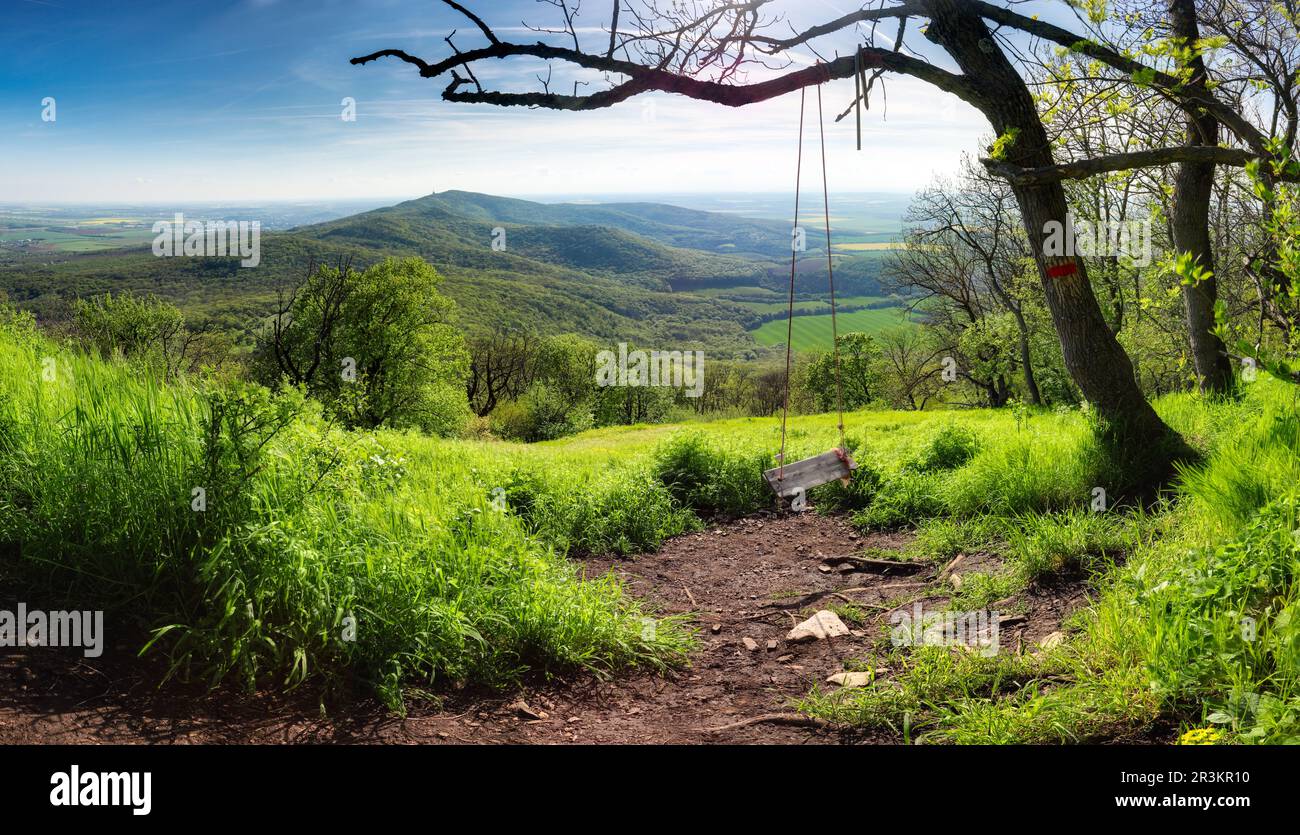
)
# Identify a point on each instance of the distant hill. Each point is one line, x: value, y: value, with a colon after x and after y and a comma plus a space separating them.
x: 458, y: 228
x: 620, y: 271
x: 671, y: 225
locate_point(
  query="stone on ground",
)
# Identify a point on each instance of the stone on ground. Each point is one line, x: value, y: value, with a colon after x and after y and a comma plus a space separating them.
x: 824, y: 624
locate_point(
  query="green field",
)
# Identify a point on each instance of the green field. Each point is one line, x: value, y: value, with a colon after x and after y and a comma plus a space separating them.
x: 104, y: 238
x: 813, y: 333
x: 811, y: 304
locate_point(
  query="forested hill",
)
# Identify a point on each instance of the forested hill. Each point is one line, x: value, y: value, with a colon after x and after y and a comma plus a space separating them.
x: 672, y: 225
x: 458, y: 228
x: 610, y: 271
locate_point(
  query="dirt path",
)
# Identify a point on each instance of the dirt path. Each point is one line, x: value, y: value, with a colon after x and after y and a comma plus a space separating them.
x: 742, y: 580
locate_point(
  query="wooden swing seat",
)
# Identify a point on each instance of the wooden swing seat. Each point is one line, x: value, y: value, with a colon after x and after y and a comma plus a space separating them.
x: 802, y: 476
x: 789, y: 481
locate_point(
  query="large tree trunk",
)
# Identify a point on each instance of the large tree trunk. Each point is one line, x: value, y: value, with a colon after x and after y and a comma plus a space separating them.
x: 1190, y: 222
x: 1093, y: 356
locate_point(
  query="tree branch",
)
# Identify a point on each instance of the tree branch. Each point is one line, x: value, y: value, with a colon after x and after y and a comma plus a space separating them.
x: 1183, y: 93
x: 475, y: 19
x: 645, y: 79
x: 1122, y: 162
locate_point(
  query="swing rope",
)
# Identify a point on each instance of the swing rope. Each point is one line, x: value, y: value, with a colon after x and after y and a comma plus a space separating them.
x: 830, y: 273
x: 789, y: 319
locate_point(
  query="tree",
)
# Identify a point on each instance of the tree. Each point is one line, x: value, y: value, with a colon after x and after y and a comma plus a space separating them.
x: 703, y: 52
x: 1262, y: 41
x: 1193, y: 187
x: 147, y: 330
x: 911, y: 369
x: 854, y: 376
x: 963, y: 265
x: 502, y: 366
x: 377, y: 348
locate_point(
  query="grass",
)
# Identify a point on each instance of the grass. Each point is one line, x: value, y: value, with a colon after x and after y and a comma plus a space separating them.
x: 448, y: 558
x: 1195, y: 616
x: 813, y: 332
x: 822, y: 305
x: 302, y: 532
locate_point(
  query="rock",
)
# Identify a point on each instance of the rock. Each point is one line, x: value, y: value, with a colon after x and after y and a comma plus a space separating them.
x: 824, y: 624
x: 824, y: 568
x: 955, y: 579
x: 715, y: 628
x: 771, y: 645
x: 750, y: 644
x: 1054, y: 639
x: 850, y: 679
x: 781, y: 659
x: 521, y: 707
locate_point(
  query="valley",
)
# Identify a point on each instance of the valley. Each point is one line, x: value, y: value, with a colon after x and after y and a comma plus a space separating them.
x: 701, y: 278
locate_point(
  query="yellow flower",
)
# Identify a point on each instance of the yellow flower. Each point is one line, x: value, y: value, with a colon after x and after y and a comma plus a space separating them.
x: 1201, y: 736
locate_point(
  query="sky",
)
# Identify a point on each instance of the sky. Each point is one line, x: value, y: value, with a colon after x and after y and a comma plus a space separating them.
x: 198, y: 100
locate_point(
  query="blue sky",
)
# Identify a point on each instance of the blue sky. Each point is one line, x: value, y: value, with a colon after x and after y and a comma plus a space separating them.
x: 241, y: 101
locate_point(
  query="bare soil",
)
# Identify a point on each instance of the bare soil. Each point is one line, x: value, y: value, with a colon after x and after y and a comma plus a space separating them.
x: 752, y: 578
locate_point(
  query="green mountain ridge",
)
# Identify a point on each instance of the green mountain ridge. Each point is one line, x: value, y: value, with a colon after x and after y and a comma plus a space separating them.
x: 614, y: 272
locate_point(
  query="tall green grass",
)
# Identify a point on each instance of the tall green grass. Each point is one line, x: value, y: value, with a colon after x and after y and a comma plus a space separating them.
x: 343, y: 560
x: 385, y: 561
x: 1200, y: 621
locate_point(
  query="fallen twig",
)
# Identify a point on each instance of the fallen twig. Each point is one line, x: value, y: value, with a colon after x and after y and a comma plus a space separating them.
x: 883, y: 566
x: 947, y: 569
x: 853, y: 602
x: 797, y: 719
x: 818, y: 595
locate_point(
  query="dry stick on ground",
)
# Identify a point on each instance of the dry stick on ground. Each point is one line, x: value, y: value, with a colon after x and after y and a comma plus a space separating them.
x: 796, y: 719
x: 943, y: 575
x: 884, y: 565
x: 853, y: 602
x: 818, y: 595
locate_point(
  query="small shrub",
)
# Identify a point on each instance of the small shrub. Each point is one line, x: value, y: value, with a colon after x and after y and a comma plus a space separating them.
x: 862, y: 489
x: 1065, y: 542
x: 949, y: 448
x: 904, y: 499
x: 709, y: 478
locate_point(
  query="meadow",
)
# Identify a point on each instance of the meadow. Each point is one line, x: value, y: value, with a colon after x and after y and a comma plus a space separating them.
x: 812, y: 332
x: 245, y: 540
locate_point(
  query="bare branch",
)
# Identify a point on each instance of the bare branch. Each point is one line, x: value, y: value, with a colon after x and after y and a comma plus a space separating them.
x: 1123, y: 162
x: 475, y: 19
